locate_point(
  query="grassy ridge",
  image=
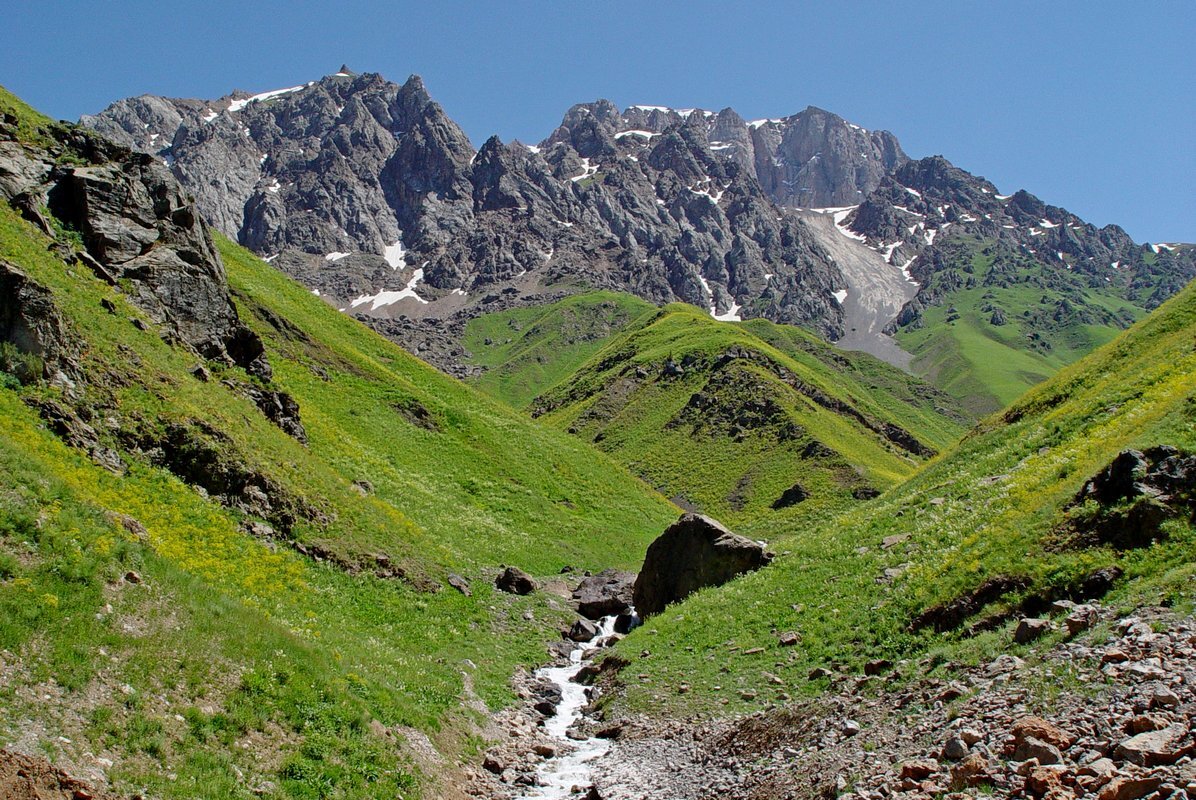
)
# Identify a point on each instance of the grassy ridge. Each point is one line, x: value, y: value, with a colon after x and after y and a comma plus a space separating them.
x: 1052, y: 318
x: 339, y: 666
x: 526, y: 351
x: 747, y: 416
x: 988, y: 508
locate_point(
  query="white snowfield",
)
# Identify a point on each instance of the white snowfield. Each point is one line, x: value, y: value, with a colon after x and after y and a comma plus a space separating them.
x: 382, y: 299
x: 237, y: 105
x: 588, y: 170
x: 394, y: 254
x: 643, y: 134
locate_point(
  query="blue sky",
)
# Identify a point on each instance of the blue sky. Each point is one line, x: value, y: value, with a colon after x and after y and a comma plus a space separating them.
x: 1090, y: 105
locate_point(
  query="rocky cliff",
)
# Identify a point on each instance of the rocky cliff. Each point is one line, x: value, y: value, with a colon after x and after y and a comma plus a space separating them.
x: 369, y: 193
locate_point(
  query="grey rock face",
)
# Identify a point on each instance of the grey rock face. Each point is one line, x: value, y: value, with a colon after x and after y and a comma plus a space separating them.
x: 635, y: 201
x: 816, y: 159
x: 695, y: 552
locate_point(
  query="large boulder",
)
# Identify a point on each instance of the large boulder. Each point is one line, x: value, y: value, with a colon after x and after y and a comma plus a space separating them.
x: 695, y: 552
x: 604, y: 594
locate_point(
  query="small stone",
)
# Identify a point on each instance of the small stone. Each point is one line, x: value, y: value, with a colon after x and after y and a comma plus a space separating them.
x: 1099, y: 768
x: 1154, y: 747
x: 953, y: 691
x: 1043, y: 780
x: 877, y: 667
x: 971, y: 736
x: 789, y: 639
x: 1162, y: 697
x: 972, y: 771
x: 819, y: 672
x: 1030, y: 629
x: 1005, y: 663
x: 1042, y: 730
x: 132, y: 577
x: 545, y: 750
x: 1114, y: 656
x: 582, y: 631
x: 515, y: 581
x: 919, y: 770
x: 955, y: 749
x: 1032, y: 747
x: 849, y: 727
x: 1143, y: 723
x: 1080, y: 619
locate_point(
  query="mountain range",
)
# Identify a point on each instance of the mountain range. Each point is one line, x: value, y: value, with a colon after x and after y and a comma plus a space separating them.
x: 249, y: 547
x: 367, y: 192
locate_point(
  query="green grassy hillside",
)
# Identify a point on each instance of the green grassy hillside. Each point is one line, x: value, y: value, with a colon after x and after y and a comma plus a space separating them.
x: 203, y: 661
x: 992, y: 521
x: 750, y: 422
x: 994, y: 333
x: 526, y: 351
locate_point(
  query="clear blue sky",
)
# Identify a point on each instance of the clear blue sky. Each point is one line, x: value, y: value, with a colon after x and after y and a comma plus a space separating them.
x: 1090, y: 105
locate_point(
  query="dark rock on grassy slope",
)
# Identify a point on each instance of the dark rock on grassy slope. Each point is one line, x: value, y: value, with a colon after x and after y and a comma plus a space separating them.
x: 695, y: 552
x: 140, y: 230
x: 42, y: 345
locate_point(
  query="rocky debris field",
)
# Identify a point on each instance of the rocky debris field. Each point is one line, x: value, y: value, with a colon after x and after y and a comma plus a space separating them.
x: 29, y: 778
x: 1106, y: 713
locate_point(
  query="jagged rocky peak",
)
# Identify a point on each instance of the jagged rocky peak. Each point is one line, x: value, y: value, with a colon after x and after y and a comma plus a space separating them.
x: 932, y: 218
x: 816, y: 159
x: 368, y: 192
x: 812, y: 159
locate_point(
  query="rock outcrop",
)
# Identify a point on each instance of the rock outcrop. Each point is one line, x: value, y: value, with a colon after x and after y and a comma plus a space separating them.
x: 31, y: 323
x: 605, y: 594
x: 695, y: 552
x: 1127, y: 502
x: 140, y: 231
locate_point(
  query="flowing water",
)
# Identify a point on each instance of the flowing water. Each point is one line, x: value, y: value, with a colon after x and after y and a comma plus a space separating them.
x: 559, y: 775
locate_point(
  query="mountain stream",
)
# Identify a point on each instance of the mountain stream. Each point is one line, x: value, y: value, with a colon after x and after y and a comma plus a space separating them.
x: 558, y: 776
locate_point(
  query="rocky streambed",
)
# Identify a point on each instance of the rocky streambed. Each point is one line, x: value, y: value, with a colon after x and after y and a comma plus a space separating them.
x: 1107, y: 711
x: 568, y: 771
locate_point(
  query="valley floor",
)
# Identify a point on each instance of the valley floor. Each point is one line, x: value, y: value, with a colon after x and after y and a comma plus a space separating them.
x: 1106, y: 714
